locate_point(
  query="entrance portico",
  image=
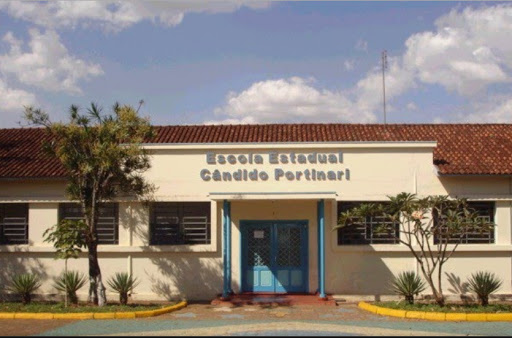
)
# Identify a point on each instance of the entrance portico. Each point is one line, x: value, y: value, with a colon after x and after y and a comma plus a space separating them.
x: 274, y: 256
x: 275, y: 243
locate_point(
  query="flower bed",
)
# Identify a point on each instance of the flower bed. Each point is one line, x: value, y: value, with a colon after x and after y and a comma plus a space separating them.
x: 113, y: 311
x: 54, y: 307
x: 432, y: 312
x: 469, y: 308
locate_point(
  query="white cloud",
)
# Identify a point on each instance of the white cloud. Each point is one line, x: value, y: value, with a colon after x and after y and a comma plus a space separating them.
x: 46, y: 64
x: 13, y: 100
x: 349, y: 64
x: 467, y: 52
x: 296, y: 100
x: 398, y: 81
x: 411, y: 106
x: 117, y: 15
x: 496, y: 110
x: 362, y: 45
x: 289, y: 100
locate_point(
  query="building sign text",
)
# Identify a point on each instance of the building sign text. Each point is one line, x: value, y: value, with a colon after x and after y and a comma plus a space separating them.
x: 278, y: 174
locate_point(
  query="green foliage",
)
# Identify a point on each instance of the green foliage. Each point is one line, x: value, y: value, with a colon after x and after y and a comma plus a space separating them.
x: 103, y: 159
x: 24, y: 285
x: 431, y: 228
x: 465, y: 308
x: 101, y: 153
x: 484, y: 284
x: 408, y: 284
x: 122, y: 283
x: 55, y: 307
x: 67, y: 238
x: 70, y: 282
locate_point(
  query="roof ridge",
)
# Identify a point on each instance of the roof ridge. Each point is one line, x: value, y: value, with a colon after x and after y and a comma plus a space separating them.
x: 462, y: 148
x: 297, y: 124
x: 333, y: 124
x: 22, y: 128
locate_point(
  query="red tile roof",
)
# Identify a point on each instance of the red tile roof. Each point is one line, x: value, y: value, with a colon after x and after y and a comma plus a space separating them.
x: 463, y: 149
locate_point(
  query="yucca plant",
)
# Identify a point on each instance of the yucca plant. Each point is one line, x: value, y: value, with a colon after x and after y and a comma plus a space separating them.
x: 408, y: 284
x: 24, y: 285
x: 484, y: 284
x: 122, y: 283
x: 70, y: 282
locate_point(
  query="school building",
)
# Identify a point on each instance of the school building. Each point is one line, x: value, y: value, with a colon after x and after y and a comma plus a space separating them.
x: 251, y: 208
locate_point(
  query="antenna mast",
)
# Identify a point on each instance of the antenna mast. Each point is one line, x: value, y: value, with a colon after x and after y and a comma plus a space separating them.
x: 384, y: 67
x: 141, y: 102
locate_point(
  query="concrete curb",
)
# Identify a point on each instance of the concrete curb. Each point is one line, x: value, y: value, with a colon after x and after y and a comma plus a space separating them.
x: 437, y: 316
x: 91, y: 315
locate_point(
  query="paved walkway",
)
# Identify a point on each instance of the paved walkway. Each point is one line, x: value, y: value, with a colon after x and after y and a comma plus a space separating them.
x: 203, y: 319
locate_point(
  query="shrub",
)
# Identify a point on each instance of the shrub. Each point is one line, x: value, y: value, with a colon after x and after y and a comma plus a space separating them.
x: 70, y: 282
x: 484, y: 284
x: 24, y: 285
x: 408, y: 284
x: 122, y: 283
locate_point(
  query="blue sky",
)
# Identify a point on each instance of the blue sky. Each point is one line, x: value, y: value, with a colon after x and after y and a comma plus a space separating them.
x: 259, y: 62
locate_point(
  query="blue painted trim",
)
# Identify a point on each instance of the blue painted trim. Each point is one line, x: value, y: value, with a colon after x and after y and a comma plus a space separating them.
x: 225, y: 248
x: 321, y: 225
x: 244, y: 224
x: 229, y: 228
x: 242, y: 258
x: 306, y: 255
x: 318, y: 244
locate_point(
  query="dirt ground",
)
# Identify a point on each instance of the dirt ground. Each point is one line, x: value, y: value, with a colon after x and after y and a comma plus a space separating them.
x: 28, y: 327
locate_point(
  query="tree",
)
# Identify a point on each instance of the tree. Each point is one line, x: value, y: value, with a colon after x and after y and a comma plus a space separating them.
x: 103, y: 159
x: 431, y: 227
x: 68, y: 239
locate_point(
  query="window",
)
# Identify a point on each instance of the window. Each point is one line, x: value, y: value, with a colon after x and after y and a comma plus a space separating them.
x: 13, y: 223
x: 180, y: 223
x: 485, y: 210
x: 108, y: 220
x: 374, y: 230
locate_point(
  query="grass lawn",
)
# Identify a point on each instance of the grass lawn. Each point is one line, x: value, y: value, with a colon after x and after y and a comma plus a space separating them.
x: 82, y: 307
x: 470, y: 308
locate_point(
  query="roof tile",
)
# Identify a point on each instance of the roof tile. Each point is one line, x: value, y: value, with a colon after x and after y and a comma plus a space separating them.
x: 472, y: 149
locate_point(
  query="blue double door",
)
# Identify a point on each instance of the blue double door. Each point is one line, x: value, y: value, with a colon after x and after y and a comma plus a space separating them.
x: 274, y: 256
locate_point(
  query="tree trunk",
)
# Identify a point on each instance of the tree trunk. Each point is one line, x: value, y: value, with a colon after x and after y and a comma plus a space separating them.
x: 96, y: 287
x: 438, y: 296
x: 26, y: 298
x: 439, y: 299
x: 65, y: 283
x: 123, y: 298
x: 73, y: 298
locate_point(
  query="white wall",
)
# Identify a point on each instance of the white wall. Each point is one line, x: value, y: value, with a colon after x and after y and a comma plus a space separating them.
x: 195, y: 272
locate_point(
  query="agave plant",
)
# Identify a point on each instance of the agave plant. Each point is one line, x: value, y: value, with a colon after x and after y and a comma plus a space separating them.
x: 24, y: 285
x: 122, y: 283
x: 408, y: 284
x: 70, y: 282
x: 484, y: 284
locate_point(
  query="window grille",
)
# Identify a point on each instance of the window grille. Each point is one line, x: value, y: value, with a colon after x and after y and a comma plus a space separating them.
x: 485, y: 211
x: 108, y: 221
x: 180, y: 223
x: 373, y: 230
x: 14, y: 223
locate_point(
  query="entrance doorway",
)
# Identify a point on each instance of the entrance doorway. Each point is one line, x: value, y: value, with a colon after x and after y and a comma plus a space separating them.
x: 274, y: 256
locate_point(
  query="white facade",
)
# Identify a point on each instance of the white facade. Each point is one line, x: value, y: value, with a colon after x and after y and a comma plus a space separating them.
x: 184, y: 173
